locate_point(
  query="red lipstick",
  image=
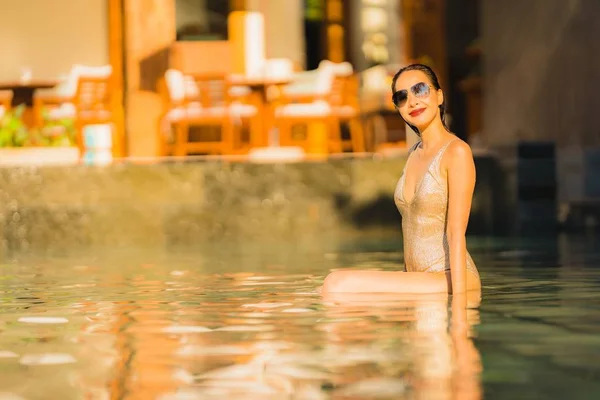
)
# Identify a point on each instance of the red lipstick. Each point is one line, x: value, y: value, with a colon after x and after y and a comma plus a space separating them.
x: 416, y: 112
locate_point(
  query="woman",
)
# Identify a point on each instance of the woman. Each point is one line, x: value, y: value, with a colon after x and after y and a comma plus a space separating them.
x: 433, y: 196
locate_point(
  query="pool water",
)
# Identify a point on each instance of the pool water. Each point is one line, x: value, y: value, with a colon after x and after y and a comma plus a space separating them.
x: 246, y: 321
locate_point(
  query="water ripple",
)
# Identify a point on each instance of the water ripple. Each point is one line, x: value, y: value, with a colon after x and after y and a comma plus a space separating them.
x: 182, y: 329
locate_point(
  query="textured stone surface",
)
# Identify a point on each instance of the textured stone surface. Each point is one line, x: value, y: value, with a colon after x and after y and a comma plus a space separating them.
x: 61, y: 209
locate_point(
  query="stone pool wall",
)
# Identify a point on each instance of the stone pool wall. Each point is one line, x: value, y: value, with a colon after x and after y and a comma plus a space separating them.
x: 187, y: 203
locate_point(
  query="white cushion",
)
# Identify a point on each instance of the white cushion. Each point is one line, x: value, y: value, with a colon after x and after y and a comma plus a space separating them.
x: 299, y: 88
x: 303, y: 83
x: 195, y: 110
x: 278, y: 68
x: 339, y: 69
x: 179, y: 113
x: 325, y: 78
x: 242, y: 110
x: 345, y: 111
x: 181, y: 86
x: 190, y: 87
x: 175, y: 84
x: 239, y: 91
x: 69, y: 111
x: 64, y: 111
x: 318, y: 81
x: 315, y: 109
x: 68, y: 87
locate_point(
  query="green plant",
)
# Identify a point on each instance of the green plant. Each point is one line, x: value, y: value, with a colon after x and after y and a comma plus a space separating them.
x: 53, y: 133
x: 13, y: 132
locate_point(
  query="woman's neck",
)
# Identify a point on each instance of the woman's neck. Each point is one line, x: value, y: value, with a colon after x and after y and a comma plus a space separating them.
x: 433, y: 134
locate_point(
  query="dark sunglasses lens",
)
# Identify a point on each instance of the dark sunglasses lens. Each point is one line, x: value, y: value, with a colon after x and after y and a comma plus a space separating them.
x: 399, y: 97
x: 420, y: 90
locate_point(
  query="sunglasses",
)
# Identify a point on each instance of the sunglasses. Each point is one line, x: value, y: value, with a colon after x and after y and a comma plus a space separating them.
x: 421, y: 90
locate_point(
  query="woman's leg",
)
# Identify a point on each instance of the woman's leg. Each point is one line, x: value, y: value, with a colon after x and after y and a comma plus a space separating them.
x: 353, y: 281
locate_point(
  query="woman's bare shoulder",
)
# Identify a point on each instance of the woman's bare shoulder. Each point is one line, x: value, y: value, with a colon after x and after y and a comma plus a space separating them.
x: 458, y: 155
x: 459, y: 148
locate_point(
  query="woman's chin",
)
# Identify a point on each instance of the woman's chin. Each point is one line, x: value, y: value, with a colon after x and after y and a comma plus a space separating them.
x: 420, y: 123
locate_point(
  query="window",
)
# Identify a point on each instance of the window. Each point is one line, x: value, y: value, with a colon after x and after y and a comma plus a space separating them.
x: 201, y: 19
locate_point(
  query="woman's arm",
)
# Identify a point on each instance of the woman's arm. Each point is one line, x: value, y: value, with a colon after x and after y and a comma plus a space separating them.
x: 460, y: 168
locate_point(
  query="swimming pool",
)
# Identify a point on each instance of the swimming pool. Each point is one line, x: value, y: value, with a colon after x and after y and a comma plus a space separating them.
x: 245, y: 321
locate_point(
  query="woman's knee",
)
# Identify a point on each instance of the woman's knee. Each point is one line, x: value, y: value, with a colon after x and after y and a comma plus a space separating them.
x: 334, y: 282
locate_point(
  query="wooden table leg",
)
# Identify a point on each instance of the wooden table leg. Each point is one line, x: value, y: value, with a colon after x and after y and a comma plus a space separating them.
x: 258, y: 133
x: 317, y: 138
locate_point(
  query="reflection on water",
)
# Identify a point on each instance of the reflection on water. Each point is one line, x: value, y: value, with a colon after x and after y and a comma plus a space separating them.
x: 252, y: 326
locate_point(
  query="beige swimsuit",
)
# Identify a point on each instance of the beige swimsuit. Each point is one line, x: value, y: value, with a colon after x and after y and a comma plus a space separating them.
x: 424, y: 220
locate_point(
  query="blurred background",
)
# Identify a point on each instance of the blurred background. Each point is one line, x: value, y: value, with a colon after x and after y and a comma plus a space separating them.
x: 108, y: 82
x: 168, y: 168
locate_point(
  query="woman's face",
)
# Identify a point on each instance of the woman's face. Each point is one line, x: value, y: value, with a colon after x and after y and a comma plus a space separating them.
x: 419, y: 101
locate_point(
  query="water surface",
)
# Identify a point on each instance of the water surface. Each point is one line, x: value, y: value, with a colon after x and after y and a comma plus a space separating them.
x: 246, y: 321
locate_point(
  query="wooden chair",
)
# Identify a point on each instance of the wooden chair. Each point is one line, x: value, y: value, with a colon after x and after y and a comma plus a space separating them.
x: 5, y: 101
x: 305, y: 102
x: 86, y: 97
x: 344, y: 101
x: 204, y: 100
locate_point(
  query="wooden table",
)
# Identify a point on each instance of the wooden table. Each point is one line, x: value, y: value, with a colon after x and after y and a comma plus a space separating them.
x: 23, y: 94
x: 23, y: 91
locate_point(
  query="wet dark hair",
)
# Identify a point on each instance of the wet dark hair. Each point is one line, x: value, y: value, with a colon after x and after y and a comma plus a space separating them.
x: 434, y: 82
